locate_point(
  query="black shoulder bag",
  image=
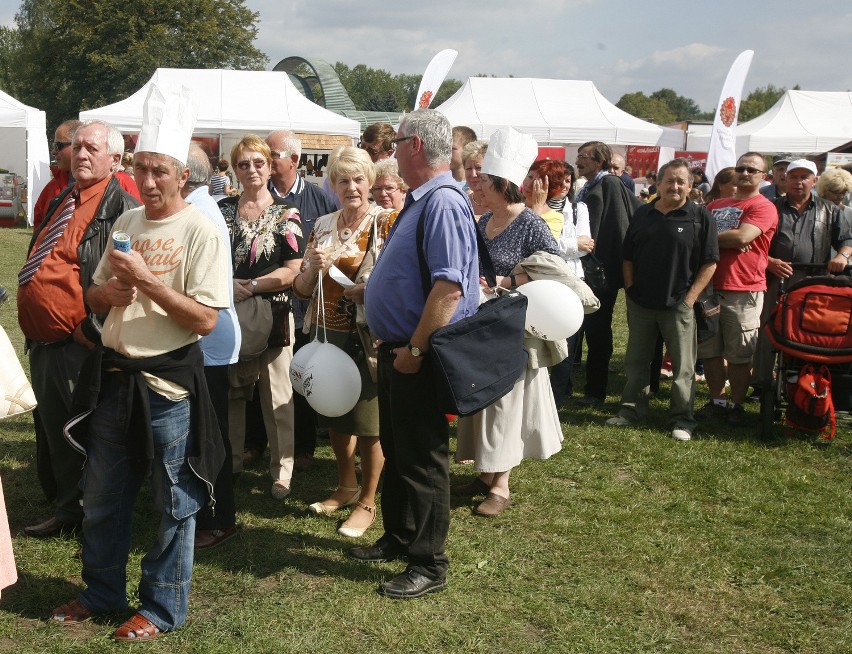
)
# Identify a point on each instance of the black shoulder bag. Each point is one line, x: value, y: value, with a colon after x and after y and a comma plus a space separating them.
x: 478, y: 359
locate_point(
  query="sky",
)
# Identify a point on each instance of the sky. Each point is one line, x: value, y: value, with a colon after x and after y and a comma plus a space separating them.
x: 622, y: 46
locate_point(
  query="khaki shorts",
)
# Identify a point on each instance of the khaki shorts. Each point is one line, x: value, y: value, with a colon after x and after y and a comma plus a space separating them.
x: 739, y: 326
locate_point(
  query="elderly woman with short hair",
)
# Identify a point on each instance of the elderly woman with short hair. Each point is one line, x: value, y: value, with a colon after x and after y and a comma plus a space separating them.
x: 349, y: 239
x: 834, y: 184
x: 266, y: 245
x: 389, y: 189
x: 472, y: 155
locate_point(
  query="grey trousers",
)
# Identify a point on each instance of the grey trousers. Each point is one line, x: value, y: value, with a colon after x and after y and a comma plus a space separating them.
x: 677, y: 326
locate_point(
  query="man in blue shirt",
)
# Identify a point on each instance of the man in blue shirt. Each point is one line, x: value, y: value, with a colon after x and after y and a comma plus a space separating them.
x: 412, y: 427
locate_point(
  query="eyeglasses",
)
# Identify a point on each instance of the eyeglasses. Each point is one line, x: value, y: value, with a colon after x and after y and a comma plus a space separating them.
x: 748, y: 169
x: 60, y: 145
x: 245, y: 165
x: 585, y: 156
x: 378, y: 190
x: 400, y: 139
x: 280, y: 155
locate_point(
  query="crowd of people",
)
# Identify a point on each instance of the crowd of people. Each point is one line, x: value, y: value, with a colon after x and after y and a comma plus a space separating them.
x: 182, y: 347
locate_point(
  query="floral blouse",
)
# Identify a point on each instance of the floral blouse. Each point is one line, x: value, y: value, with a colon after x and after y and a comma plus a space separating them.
x: 260, y: 246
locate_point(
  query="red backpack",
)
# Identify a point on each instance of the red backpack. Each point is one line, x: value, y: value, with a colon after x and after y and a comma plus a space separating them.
x: 810, y: 407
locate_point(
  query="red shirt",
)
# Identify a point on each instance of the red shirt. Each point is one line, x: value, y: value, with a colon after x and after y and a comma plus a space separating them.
x: 51, y: 305
x: 744, y: 271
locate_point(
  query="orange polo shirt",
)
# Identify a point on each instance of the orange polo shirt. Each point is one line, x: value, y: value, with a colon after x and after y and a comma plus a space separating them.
x: 51, y: 305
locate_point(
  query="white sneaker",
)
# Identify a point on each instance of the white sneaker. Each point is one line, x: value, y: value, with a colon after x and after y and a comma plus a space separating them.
x: 681, y: 434
x: 618, y: 421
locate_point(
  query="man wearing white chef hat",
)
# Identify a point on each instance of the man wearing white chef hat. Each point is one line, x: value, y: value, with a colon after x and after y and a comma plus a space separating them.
x: 152, y: 413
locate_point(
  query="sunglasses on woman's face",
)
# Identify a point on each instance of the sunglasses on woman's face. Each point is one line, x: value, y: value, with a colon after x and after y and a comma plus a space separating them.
x: 245, y: 165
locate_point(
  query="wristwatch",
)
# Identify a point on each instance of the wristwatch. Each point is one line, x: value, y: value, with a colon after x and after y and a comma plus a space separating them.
x: 846, y: 254
x: 416, y: 352
x: 253, y: 285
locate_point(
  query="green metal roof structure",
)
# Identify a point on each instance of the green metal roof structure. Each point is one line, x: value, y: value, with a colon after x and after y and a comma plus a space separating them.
x: 322, y: 86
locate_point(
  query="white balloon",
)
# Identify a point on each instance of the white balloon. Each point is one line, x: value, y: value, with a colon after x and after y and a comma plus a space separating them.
x: 331, y: 381
x: 554, y: 311
x: 300, y: 363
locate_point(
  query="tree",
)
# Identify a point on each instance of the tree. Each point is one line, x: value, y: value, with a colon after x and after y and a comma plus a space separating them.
x: 683, y: 108
x: 371, y: 89
x: 651, y: 109
x: 71, y: 55
x: 760, y: 101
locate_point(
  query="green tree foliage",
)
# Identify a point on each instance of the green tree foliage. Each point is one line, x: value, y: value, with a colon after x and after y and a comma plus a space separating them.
x: 662, y: 107
x: 760, y: 101
x: 71, y: 55
x: 683, y: 108
x: 651, y: 109
x: 374, y: 89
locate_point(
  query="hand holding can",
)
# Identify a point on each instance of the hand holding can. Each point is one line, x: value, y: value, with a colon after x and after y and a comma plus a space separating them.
x: 121, y: 241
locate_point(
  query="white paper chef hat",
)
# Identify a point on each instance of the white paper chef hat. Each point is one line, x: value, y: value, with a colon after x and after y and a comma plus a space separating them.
x: 510, y: 155
x: 168, y: 120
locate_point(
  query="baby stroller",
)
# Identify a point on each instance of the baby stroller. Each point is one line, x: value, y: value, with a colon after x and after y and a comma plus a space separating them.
x: 811, y: 330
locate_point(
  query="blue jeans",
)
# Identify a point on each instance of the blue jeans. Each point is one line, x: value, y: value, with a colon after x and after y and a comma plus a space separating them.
x: 110, y: 487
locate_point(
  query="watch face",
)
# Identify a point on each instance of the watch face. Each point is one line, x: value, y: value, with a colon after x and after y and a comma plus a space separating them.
x: 415, y: 351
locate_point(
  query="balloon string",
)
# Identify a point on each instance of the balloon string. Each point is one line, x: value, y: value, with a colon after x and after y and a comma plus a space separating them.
x: 321, y: 300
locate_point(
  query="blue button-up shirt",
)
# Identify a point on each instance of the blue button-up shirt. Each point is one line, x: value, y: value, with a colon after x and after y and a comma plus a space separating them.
x: 395, y: 299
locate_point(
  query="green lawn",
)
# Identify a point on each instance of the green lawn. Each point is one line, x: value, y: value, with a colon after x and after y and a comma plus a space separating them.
x: 624, y: 542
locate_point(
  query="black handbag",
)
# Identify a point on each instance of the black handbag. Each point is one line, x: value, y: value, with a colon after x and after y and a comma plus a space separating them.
x: 478, y: 359
x: 594, y: 274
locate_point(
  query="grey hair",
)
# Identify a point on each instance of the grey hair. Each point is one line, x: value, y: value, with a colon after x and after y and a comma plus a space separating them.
x: 292, y: 143
x: 389, y: 168
x: 114, y: 140
x: 434, y: 130
x: 199, y: 166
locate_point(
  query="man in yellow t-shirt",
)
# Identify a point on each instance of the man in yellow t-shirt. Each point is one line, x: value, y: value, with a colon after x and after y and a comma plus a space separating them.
x: 153, y: 411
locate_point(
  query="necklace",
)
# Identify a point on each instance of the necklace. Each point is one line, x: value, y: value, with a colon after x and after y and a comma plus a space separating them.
x: 347, y: 231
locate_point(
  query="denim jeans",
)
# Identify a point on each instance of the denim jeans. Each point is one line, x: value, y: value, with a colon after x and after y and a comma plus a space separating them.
x: 110, y: 487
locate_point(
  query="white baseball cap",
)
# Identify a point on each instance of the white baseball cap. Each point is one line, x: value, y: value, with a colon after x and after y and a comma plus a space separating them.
x: 802, y: 163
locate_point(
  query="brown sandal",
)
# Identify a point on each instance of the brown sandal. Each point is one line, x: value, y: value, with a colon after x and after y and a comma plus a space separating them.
x: 137, y: 628
x: 71, y: 613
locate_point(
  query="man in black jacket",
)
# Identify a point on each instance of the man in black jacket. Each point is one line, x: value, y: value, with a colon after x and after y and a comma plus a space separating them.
x: 59, y: 326
x: 610, y: 207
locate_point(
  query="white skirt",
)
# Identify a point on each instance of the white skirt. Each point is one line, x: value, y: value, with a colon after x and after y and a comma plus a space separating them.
x: 523, y: 424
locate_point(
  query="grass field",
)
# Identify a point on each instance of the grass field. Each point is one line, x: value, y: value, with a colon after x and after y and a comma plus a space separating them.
x: 624, y: 542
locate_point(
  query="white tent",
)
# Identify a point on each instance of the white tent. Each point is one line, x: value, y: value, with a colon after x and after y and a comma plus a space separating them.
x: 23, y: 148
x: 233, y: 102
x: 801, y: 121
x: 552, y: 111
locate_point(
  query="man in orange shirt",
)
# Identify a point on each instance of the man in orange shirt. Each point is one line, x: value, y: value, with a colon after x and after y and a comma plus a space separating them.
x: 59, y: 327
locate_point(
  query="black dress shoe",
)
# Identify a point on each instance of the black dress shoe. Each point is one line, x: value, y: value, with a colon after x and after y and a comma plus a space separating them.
x: 51, y: 527
x: 411, y: 584
x: 378, y: 553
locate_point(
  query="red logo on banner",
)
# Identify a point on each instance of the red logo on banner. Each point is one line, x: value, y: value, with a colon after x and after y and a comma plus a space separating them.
x: 728, y: 111
x: 425, y: 99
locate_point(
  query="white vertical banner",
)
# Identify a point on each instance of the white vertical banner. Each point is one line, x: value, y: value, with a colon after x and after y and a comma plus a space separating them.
x: 722, y: 152
x: 433, y: 77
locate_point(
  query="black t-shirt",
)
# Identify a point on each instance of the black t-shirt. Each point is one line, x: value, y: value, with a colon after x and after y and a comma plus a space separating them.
x: 667, y: 251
